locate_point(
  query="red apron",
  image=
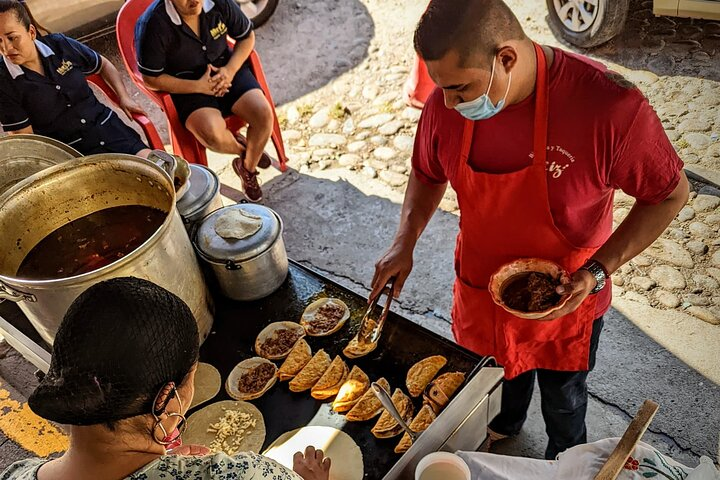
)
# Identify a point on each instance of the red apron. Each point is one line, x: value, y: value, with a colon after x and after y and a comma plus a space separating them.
x: 504, y: 217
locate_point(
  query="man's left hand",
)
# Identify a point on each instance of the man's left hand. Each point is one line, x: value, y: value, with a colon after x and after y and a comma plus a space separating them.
x: 579, y: 287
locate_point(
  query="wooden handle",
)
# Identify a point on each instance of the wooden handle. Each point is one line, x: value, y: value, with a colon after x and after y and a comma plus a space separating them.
x: 615, y: 463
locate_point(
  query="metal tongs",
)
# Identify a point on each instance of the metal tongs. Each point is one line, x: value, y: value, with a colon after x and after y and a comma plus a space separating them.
x: 386, y: 400
x: 370, y: 329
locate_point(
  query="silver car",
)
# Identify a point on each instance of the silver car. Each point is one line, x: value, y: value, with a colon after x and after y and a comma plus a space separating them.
x: 588, y: 23
x: 85, y: 19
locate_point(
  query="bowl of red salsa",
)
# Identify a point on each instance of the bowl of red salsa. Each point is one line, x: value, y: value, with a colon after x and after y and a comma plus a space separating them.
x: 527, y: 287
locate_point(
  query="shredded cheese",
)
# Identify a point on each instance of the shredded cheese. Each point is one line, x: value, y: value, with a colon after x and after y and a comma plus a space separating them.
x: 230, y: 431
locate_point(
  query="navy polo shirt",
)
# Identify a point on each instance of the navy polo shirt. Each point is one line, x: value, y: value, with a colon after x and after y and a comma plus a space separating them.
x: 61, y: 104
x: 165, y: 44
x: 58, y: 104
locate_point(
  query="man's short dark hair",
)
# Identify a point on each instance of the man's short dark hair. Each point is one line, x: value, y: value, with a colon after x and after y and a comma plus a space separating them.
x: 473, y: 28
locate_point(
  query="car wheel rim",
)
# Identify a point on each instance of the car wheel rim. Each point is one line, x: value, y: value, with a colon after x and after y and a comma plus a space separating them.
x: 251, y: 8
x: 577, y: 15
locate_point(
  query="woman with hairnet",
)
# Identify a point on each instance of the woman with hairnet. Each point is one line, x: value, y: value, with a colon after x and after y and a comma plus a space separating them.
x: 121, y: 378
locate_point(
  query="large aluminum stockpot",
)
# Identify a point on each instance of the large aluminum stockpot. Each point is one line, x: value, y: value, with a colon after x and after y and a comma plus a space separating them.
x: 44, y: 202
x: 248, y: 268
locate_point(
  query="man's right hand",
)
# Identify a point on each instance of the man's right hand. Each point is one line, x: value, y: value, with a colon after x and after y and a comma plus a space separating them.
x: 397, y: 262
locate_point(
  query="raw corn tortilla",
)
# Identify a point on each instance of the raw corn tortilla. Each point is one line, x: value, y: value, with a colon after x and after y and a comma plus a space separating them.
x: 345, y: 455
x: 207, y: 384
x: 237, y: 224
x: 251, y: 439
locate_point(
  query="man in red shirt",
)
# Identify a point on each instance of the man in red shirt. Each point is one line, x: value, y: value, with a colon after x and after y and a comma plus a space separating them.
x: 534, y: 141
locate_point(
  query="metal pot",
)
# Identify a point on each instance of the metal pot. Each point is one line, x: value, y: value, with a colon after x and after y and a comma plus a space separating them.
x: 39, y: 205
x: 202, y: 196
x: 250, y: 268
x: 25, y: 155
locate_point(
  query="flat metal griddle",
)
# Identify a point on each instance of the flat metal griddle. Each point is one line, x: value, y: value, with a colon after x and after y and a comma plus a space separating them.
x: 402, y: 344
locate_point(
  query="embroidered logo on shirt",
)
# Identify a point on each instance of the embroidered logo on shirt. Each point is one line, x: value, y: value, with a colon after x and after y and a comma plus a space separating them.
x: 558, y: 166
x: 218, y: 31
x: 65, y: 67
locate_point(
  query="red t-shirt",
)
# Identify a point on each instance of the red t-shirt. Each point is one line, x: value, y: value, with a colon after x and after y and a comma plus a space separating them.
x: 602, y: 135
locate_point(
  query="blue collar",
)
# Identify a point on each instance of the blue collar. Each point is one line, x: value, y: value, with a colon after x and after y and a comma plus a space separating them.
x: 175, y: 16
x: 16, y: 70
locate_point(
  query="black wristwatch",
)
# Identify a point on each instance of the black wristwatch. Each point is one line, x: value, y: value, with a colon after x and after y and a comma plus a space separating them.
x: 598, y: 271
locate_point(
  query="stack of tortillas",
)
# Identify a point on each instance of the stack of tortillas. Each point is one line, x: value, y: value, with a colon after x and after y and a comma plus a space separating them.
x: 237, y: 224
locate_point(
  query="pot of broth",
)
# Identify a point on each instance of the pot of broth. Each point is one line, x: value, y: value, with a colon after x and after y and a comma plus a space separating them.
x: 87, y: 220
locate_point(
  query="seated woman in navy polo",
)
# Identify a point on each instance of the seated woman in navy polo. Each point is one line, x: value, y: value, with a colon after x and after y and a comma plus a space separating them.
x: 182, y: 49
x: 43, y: 89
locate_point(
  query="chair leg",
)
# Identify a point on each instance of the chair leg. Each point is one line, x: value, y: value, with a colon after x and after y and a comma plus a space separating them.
x: 189, y: 149
x: 199, y: 153
x: 278, y: 142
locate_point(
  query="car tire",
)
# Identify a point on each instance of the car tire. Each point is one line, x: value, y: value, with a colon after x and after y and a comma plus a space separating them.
x: 585, y: 25
x: 258, y: 17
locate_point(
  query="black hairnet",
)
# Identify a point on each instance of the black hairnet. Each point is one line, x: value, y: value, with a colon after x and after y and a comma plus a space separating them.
x: 120, y: 342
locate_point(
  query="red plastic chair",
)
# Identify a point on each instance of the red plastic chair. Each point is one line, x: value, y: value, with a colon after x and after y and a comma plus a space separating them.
x: 145, y: 124
x: 183, y: 141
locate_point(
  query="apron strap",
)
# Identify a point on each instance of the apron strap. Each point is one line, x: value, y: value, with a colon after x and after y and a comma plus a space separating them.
x: 542, y: 94
x: 467, y: 137
x: 542, y: 89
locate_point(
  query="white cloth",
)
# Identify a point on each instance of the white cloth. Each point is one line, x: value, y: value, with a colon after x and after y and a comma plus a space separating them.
x: 584, y: 462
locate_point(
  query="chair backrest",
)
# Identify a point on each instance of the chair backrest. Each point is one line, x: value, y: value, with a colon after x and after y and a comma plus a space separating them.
x: 125, y: 31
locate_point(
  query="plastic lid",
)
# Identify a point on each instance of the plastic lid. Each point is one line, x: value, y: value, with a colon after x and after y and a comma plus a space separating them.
x: 204, y: 184
x: 219, y: 249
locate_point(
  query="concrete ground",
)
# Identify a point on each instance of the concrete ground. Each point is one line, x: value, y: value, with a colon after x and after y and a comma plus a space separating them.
x: 340, y: 218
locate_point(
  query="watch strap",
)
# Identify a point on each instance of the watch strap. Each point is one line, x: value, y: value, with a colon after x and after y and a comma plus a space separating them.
x: 598, y: 271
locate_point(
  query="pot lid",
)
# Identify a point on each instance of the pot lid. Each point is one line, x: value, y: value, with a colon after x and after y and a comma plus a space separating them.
x: 204, y: 185
x: 220, y: 249
x: 24, y: 155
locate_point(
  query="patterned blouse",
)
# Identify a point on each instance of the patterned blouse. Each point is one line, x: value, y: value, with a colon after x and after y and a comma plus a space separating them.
x: 243, y: 466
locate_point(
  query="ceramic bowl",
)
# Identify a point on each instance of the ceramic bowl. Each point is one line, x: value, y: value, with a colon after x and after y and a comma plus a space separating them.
x: 499, y: 279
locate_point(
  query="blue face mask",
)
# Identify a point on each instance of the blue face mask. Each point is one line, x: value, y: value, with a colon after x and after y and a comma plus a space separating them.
x: 482, y: 107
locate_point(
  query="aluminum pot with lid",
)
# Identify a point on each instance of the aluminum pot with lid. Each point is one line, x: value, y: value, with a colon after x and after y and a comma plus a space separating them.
x: 248, y: 268
x: 202, y: 196
x: 39, y: 205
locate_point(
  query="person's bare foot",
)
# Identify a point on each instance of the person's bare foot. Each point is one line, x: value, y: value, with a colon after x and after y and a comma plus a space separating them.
x: 251, y: 187
x: 312, y: 465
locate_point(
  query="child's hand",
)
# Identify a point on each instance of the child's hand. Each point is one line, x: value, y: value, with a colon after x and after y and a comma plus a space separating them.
x: 312, y: 465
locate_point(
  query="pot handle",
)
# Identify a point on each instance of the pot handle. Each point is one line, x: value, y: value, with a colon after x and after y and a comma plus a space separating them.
x: 163, y: 160
x: 230, y: 265
x: 9, y: 293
